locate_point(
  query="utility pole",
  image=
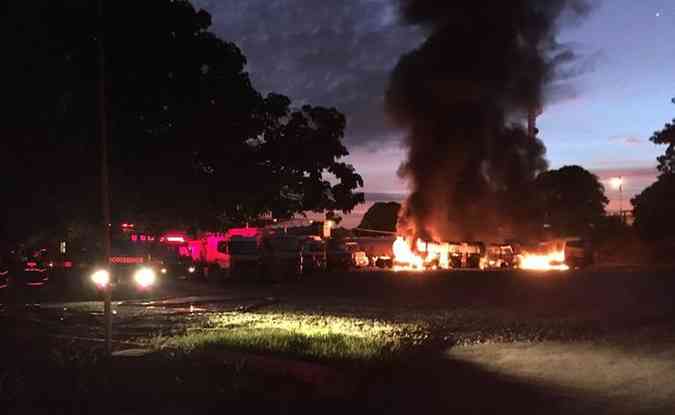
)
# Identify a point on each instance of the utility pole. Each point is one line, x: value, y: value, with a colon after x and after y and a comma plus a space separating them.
x: 105, y: 190
x: 621, y: 214
x: 617, y: 183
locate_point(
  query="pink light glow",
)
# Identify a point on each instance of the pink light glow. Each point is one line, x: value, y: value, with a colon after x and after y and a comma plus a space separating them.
x: 245, y: 232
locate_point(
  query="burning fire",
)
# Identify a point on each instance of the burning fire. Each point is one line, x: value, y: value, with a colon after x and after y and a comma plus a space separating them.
x: 404, y: 257
x: 427, y: 255
x: 419, y: 255
x: 552, y: 261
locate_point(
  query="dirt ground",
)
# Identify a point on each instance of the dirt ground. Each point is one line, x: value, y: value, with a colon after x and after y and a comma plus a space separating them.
x: 509, y: 342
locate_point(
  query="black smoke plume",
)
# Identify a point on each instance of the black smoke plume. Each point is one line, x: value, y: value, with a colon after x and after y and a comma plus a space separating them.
x: 463, y: 97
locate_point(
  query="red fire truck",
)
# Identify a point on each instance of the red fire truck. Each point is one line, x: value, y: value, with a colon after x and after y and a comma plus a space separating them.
x: 208, y: 253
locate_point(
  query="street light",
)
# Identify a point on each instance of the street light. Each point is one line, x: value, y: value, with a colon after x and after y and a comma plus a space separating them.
x: 617, y: 183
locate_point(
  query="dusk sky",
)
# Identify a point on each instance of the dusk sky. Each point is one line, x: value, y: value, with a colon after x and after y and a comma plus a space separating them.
x: 340, y: 53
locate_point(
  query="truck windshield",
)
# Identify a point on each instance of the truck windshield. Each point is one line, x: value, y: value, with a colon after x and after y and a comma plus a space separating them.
x: 122, y: 247
x: 168, y: 253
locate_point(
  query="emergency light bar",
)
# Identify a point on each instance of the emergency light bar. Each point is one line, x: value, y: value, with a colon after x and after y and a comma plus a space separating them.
x: 175, y: 239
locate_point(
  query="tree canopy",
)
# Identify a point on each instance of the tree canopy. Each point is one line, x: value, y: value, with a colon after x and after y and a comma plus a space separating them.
x: 381, y: 216
x: 190, y: 137
x: 572, y: 199
x: 653, y: 208
x: 666, y: 136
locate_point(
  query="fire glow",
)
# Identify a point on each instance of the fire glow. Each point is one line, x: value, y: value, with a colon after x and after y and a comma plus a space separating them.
x: 427, y: 255
x: 551, y: 261
x: 421, y: 256
x: 404, y: 258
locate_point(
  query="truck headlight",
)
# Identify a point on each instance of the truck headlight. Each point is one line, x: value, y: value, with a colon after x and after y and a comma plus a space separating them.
x: 101, y: 278
x: 145, y: 277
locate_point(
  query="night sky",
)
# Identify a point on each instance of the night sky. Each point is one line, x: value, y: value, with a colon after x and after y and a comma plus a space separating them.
x: 340, y: 53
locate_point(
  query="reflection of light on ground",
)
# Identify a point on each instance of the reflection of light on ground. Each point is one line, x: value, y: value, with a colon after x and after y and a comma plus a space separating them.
x: 304, y: 334
x: 305, y: 323
x: 643, y: 378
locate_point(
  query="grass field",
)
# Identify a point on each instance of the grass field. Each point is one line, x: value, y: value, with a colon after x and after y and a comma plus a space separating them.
x: 293, y: 333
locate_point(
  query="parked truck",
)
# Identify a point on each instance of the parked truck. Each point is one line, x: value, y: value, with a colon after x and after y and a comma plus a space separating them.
x: 245, y: 256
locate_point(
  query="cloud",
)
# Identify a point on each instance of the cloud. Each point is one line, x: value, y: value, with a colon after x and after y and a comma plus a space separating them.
x: 629, y: 140
x: 322, y: 53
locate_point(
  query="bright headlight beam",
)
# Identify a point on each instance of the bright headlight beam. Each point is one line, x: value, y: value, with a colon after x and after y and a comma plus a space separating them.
x: 101, y: 278
x: 145, y: 277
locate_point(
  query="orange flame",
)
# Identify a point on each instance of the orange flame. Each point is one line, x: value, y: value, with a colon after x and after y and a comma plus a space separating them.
x: 431, y: 255
x: 428, y: 255
x: 405, y: 258
x: 552, y: 261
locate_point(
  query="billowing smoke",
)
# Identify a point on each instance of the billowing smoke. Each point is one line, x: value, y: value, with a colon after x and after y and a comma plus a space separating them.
x: 463, y: 98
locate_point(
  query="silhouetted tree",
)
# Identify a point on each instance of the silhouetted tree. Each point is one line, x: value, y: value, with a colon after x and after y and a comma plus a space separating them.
x: 332, y: 216
x: 653, y: 210
x: 190, y: 136
x: 381, y: 217
x: 666, y: 136
x: 572, y: 200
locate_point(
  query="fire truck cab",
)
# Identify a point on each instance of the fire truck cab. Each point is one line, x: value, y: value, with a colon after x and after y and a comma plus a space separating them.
x: 130, y: 259
x: 219, y: 255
